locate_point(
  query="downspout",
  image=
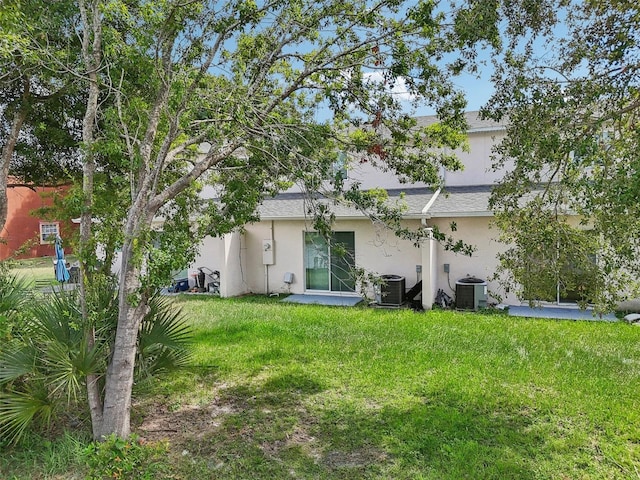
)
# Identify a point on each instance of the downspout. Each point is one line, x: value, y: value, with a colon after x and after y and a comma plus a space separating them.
x: 266, y: 266
x: 428, y: 256
x: 425, y: 211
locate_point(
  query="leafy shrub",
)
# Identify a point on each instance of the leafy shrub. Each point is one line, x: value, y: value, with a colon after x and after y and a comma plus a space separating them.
x: 13, y: 297
x: 43, y: 370
x: 115, y: 458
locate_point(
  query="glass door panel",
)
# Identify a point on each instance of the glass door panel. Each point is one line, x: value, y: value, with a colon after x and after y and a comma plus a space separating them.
x: 329, y: 266
x: 342, y: 262
x: 316, y: 261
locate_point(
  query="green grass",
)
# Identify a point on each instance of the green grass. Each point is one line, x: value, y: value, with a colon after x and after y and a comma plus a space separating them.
x: 293, y: 391
x: 34, y: 270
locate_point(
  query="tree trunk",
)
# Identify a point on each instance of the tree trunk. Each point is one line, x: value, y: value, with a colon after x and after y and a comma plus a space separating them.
x: 7, y: 154
x: 132, y: 307
x: 92, y: 55
x: 86, y: 248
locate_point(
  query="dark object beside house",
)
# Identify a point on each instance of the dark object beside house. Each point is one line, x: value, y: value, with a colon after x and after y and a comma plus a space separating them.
x: 74, y: 274
x: 214, y: 285
x: 392, y: 291
x: 471, y: 293
x: 180, y: 285
x: 414, y: 297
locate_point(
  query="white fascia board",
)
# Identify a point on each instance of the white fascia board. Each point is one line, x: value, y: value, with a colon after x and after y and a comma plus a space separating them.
x: 412, y: 216
x: 497, y: 128
x: 485, y: 213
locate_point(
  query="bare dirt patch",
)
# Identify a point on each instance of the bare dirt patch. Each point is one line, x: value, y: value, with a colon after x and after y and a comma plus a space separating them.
x: 353, y: 460
x: 185, y: 422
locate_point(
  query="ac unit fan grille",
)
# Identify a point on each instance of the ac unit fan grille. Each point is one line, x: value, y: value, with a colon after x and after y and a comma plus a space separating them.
x: 392, y: 292
x: 465, y: 297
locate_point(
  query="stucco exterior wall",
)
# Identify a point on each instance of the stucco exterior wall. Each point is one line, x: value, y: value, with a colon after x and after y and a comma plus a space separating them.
x: 376, y: 249
x: 482, y: 264
x: 477, y: 167
x: 210, y: 255
x: 21, y: 232
x: 477, y: 161
x: 228, y: 255
x: 232, y: 275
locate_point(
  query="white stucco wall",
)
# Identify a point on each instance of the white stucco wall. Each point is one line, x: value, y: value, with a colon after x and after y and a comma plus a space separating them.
x: 376, y: 249
x: 477, y: 161
x: 227, y: 255
x: 482, y: 264
x: 379, y: 251
x: 477, y: 167
x: 210, y: 255
x: 233, y: 278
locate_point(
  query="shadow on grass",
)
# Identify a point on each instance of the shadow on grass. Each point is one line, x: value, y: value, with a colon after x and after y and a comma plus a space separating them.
x: 291, y: 425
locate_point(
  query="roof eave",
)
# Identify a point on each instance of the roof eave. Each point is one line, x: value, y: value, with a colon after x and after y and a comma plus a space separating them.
x: 485, y: 213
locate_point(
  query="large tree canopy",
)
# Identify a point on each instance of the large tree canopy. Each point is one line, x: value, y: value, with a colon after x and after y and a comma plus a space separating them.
x: 570, y: 206
x: 250, y: 97
x: 40, y: 102
x: 248, y: 78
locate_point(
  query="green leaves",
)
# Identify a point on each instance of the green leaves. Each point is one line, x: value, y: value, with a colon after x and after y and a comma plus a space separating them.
x: 129, y: 458
x: 18, y: 410
x: 46, y: 365
x: 164, y: 341
x: 573, y: 143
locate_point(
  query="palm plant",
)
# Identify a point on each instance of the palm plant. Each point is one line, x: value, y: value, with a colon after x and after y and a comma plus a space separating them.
x: 164, y: 339
x: 45, y: 368
x: 13, y: 297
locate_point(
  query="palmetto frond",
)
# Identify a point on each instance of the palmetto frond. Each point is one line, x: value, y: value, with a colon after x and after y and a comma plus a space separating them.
x: 58, y: 319
x: 19, y: 409
x: 16, y: 362
x: 164, y: 338
x: 67, y: 366
x: 13, y: 295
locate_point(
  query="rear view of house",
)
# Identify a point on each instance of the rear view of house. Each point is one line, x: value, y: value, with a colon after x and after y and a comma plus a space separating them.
x: 283, y: 254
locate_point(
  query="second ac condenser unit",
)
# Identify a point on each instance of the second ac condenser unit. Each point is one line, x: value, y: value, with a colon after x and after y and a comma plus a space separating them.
x: 471, y: 293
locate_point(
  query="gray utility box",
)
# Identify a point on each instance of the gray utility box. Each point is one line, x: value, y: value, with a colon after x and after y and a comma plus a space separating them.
x: 471, y: 293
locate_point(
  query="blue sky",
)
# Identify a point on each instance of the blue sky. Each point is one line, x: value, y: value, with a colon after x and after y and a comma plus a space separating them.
x: 478, y: 89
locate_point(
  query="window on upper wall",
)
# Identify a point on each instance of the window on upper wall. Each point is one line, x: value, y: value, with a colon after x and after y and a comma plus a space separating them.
x: 339, y: 167
x: 49, y: 232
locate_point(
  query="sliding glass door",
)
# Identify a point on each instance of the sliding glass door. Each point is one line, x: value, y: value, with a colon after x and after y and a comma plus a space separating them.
x: 329, y: 264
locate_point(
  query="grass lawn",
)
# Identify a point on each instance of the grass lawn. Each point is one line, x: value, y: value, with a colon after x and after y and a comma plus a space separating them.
x: 36, y: 269
x: 296, y: 391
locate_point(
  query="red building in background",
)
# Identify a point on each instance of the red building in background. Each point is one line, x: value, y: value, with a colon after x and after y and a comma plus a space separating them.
x: 27, y: 235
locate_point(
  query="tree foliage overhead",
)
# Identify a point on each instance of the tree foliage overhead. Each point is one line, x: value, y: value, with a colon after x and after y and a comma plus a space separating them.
x: 40, y: 102
x: 260, y: 84
x: 571, y: 95
x: 275, y: 89
x: 249, y: 97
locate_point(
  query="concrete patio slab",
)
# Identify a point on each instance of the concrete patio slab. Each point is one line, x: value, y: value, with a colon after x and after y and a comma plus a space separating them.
x: 330, y: 300
x: 560, y: 313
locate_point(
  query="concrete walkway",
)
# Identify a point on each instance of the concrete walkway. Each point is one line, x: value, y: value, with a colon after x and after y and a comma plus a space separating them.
x: 561, y: 313
x: 331, y: 300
